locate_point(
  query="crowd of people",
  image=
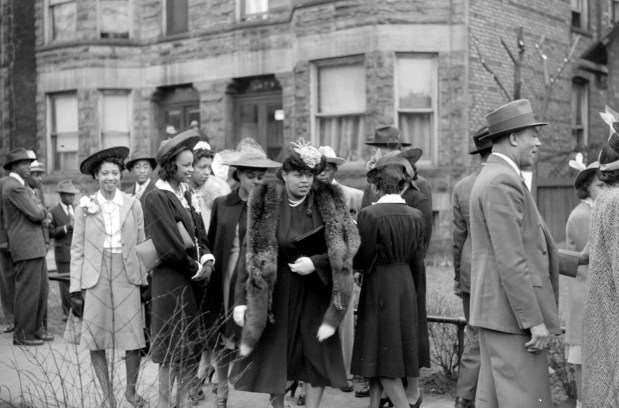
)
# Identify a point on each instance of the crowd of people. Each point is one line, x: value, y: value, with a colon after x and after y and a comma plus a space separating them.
x: 257, y: 275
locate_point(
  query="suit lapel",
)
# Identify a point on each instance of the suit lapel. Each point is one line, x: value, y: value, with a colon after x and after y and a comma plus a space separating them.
x: 124, y: 210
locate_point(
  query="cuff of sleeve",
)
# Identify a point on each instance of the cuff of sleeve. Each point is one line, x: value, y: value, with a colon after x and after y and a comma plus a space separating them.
x: 207, y: 257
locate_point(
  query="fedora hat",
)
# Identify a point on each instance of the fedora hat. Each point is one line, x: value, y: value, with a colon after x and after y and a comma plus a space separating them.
x: 480, y: 143
x: 330, y: 155
x: 187, y: 139
x: 37, y: 167
x: 67, y: 187
x: 584, y: 174
x: 140, y: 155
x: 412, y: 155
x: 17, y: 155
x: 249, y: 154
x: 510, y: 118
x: 92, y: 161
x: 386, y: 136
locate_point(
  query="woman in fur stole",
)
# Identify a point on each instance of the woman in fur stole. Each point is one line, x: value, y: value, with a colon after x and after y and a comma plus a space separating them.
x: 600, y: 354
x: 290, y: 305
x: 386, y: 337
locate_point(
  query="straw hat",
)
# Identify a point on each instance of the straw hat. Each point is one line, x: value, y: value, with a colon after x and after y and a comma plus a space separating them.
x: 250, y: 154
x: 330, y: 155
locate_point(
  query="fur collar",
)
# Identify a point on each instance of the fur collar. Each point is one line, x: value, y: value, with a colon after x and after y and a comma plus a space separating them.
x: 263, y: 217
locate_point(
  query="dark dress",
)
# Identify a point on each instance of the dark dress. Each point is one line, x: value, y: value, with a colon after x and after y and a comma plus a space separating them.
x: 229, y: 213
x: 289, y: 348
x: 177, y: 331
x: 386, y: 335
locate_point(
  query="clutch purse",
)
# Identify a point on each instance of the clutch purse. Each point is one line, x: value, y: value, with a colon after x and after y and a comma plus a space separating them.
x: 147, y: 254
x: 312, y: 242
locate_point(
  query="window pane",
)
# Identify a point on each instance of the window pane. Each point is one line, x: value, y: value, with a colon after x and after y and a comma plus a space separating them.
x: 63, y: 21
x: 415, y: 82
x: 115, y: 113
x: 65, y: 113
x: 64, y: 132
x: 418, y: 128
x: 341, y: 89
x: 176, y: 16
x: 344, y: 134
x: 112, y: 139
x: 114, y: 18
x: 256, y: 6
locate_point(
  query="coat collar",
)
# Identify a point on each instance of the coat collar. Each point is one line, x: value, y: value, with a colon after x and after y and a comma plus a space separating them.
x: 233, y: 198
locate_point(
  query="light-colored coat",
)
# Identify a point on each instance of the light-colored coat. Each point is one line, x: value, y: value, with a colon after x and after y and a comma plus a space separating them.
x: 462, y: 247
x: 514, y: 282
x: 353, y: 198
x: 87, y: 244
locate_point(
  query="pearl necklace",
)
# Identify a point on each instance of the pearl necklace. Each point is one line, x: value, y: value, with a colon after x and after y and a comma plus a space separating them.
x: 297, y: 203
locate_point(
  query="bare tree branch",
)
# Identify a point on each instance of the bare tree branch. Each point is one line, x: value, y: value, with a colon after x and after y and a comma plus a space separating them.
x: 509, y: 52
x: 518, y: 64
x: 490, y: 71
x: 540, y: 52
x: 566, y: 59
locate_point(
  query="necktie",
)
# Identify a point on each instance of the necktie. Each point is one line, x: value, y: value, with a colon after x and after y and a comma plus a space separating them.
x: 139, y: 190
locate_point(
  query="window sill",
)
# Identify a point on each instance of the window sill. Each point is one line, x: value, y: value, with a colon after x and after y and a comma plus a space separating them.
x: 581, y: 31
x: 78, y: 43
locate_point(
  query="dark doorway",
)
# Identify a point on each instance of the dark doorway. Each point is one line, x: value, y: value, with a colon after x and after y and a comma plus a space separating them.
x: 258, y: 113
x: 178, y: 106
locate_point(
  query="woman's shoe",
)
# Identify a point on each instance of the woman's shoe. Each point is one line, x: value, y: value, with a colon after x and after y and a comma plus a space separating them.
x: 301, y: 400
x: 292, y: 388
x: 221, y: 403
x: 385, y: 402
x: 417, y: 404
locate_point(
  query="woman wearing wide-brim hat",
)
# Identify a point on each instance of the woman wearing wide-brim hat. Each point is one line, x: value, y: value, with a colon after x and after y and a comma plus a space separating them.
x: 227, y: 233
x: 108, y: 226
x: 178, y: 334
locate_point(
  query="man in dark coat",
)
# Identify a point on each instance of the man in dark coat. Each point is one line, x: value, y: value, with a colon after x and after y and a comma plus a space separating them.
x: 141, y: 165
x: 7, y: 279
x: 468, y: 372
x: 24, y: 219
x: 61, y: 230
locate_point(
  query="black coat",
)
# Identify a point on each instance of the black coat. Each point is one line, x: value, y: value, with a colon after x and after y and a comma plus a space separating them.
x: 62, y: 233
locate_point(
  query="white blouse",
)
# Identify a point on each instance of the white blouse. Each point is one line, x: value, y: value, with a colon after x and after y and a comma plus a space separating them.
x: 111, y: 219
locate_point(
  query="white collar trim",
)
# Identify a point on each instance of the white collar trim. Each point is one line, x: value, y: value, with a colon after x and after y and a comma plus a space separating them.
x: 164, y: 185
x: 391, y: 199
x: 118, y: 198
x: 509, y: 161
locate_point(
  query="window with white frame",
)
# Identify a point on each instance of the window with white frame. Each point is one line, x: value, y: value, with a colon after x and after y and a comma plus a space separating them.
x: 580, y: 111
x: 580, y: 14
x: 340, y: 110
x: 62, y: 20
x: 115, y: 119
x: 63, y: 125
x: 416, y: 92
x: 176, y: 16
x: 114, y: 18
x: 254, y: 9
x: 614, y: 11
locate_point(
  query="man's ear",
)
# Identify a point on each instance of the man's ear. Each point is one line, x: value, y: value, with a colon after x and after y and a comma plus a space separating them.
x: 513, y: 140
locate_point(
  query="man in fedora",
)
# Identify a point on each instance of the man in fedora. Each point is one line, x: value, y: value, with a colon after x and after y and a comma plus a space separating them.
x: 468, y: 371
x: 61, y: 230
x: 514, y: 269
x: 23, y: 219
x: 141, y: 164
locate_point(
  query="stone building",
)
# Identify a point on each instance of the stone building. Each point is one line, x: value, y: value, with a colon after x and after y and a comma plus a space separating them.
x: 119, y: 72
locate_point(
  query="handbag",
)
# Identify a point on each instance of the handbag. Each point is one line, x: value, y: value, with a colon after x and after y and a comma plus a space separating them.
x: 147, y: 254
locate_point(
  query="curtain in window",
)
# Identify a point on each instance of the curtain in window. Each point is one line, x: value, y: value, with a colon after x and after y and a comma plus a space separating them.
x: 417, y: 128
x: 344, y: 134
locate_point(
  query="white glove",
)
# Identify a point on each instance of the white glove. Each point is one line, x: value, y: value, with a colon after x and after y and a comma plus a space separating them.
x: 238, y: 314
x: 325, y: 331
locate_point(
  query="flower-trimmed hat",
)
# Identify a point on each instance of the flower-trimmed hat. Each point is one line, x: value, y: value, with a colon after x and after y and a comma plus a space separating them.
x: 249, y: 154
x: 392, y: 160
x: 302, y: 156
x: 88, y: 165
x: 140, y: 155
x: 187, y: 139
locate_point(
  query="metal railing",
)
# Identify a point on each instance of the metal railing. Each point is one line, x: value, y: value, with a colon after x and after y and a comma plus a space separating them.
x: 459, y: 322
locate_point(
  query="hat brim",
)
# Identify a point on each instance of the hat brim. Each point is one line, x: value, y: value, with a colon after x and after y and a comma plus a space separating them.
x: 582, y: 176
x: 88, y: 165
x: 255, y: 163
x: 412, y: 155
x: 187, y: 139
x: 338, y: 161
x: 76, y: 191
x: 387, y: 144
x: 151, y: 160
x: 37, y: 171
x: 7, y: 166
x: 492, y: 136
x: 481, y: 149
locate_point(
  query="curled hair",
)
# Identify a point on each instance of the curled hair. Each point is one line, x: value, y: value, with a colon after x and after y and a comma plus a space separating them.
x: 293, y: 162
x: 583, y: 189
x: 202, y: 153
x: 114, y: 160
x: 390, y: 179
x: 168, y: 165
x: 609, y: 154
x: 243, y: 169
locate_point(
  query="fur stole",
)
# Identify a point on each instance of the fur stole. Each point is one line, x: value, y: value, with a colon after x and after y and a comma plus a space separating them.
x: 342, y: 239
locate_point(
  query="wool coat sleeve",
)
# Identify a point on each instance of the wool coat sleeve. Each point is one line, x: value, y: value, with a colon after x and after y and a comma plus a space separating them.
x: 77, y: 250
x: 21, y: 199
x: 460, y: 233
x: 368, y: 231
x: 57, y: 229
x: 503, y: 206
x: 162, y: 228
